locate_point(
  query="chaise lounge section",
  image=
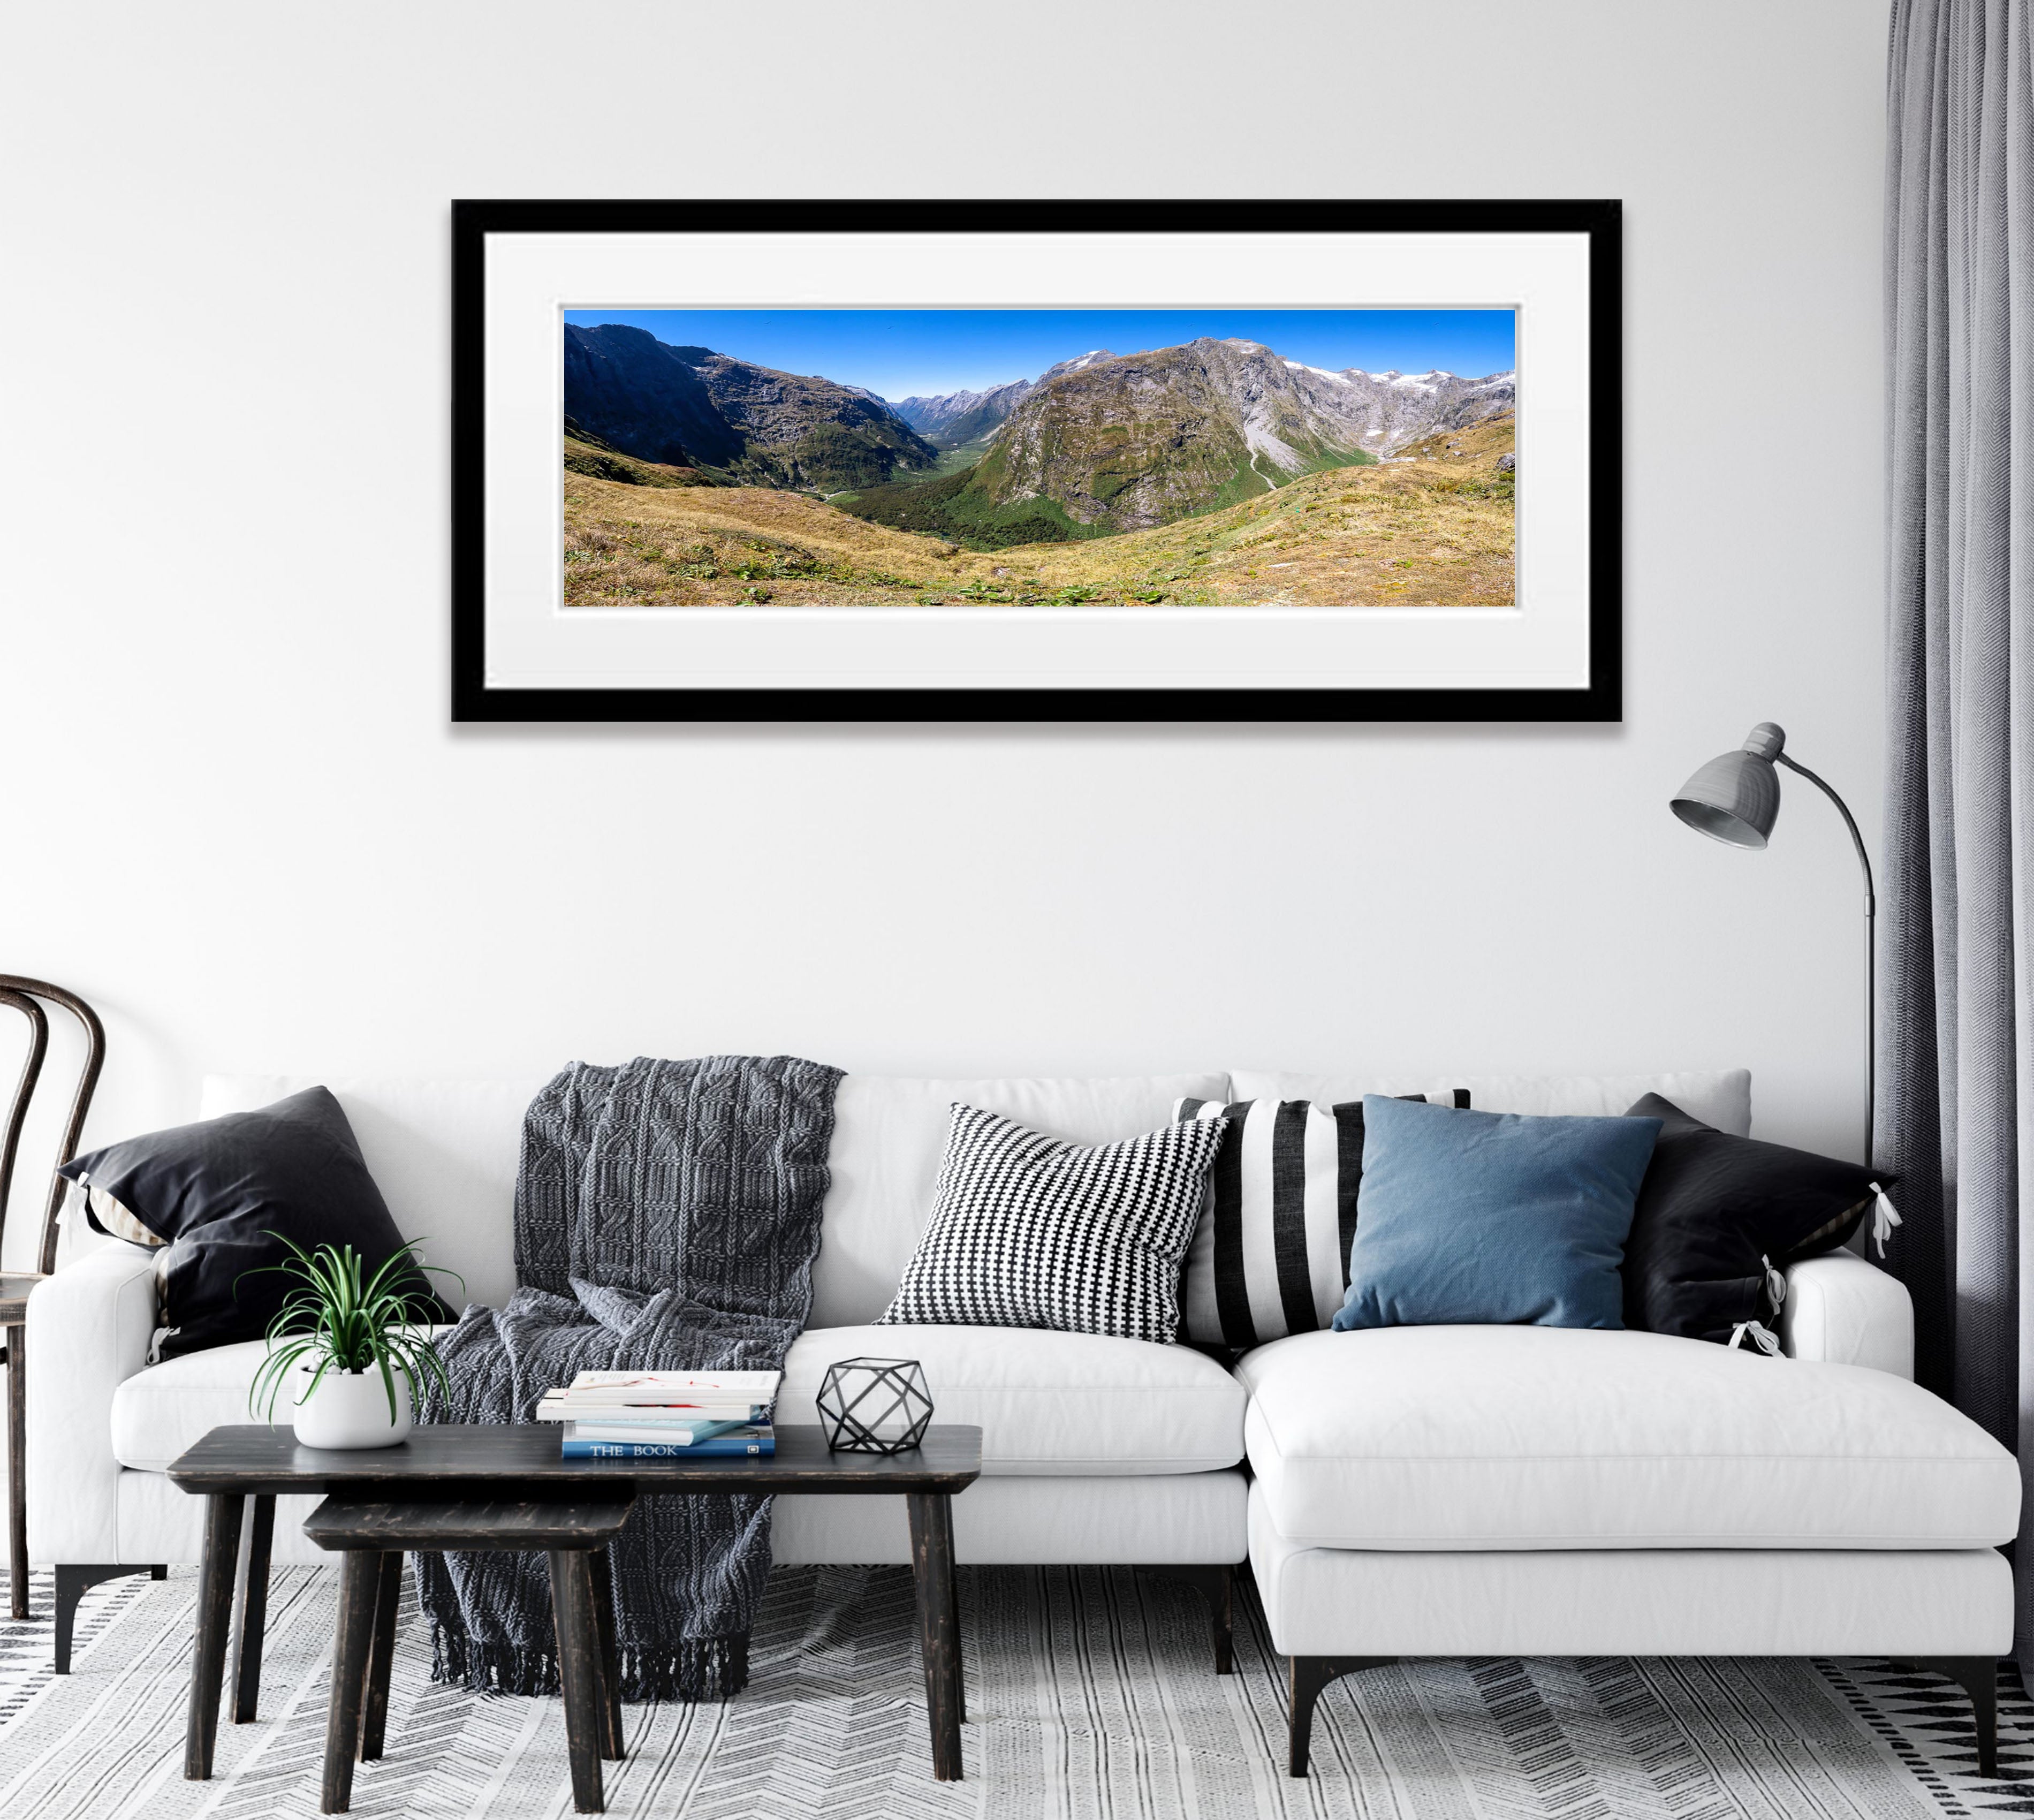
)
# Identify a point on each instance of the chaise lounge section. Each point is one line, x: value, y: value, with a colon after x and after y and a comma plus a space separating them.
x: 1554, y: 1491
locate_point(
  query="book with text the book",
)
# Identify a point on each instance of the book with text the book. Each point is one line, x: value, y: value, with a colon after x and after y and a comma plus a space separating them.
x: 750, y: 1445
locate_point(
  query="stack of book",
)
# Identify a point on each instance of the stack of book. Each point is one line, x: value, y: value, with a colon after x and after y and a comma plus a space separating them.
x: 664, y: 1415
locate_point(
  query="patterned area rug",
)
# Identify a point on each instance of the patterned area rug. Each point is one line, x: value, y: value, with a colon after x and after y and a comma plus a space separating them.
x: 1089, y: 1696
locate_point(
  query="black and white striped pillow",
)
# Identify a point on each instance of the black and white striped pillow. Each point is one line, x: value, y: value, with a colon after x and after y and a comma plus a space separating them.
x: 1029, y: 1231
x: 1270, y: 1254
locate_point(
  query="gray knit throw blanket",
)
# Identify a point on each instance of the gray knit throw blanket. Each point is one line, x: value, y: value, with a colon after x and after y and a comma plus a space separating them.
x: 667, y: 1214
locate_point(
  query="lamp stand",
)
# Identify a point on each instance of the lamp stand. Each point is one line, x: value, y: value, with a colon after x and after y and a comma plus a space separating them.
x: 1870, y: 949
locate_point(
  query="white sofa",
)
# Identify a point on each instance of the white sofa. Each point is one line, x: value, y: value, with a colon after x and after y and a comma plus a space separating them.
x: 1095, y: 1450
x: 1435, y: 1492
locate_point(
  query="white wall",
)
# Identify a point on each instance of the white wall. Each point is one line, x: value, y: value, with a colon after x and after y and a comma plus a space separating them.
x: 233, y: 812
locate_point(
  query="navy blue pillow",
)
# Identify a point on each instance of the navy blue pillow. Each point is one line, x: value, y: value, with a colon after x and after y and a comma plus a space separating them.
x: 1486, y: 1219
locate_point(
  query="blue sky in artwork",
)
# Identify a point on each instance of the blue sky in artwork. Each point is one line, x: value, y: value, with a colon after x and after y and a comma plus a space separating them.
x: 898, y: 353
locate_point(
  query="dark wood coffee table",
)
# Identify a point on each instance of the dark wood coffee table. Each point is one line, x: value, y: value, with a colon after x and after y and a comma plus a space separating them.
x: 457, y: 1462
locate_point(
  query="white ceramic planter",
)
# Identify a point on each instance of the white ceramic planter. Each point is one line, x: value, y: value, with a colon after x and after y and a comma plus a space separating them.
x: 348, y: 1410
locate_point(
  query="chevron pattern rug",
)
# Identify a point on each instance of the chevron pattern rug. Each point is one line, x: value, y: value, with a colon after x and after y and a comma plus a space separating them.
x: 1090, y: 1697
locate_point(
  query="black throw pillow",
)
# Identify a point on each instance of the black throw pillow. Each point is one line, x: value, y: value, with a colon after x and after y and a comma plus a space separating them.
x: 219, y: 1190
x: 1715, y: 1212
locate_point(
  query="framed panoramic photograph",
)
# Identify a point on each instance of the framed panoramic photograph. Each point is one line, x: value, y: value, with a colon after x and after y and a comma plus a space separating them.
x: 1265, y: 461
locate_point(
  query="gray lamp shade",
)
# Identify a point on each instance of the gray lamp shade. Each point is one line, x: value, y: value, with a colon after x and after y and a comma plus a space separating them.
x: 1737, y: 797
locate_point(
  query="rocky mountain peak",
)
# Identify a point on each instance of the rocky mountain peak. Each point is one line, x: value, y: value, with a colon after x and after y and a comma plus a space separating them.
x: 690, y: 407
x: 1142, y: 439
x: 1078, y: 364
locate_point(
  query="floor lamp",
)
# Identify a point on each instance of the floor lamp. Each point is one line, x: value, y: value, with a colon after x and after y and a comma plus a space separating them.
x: 1735, y: 798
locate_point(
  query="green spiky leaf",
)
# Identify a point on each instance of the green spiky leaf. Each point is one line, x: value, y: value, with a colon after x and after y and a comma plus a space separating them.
x: 336, y: 1318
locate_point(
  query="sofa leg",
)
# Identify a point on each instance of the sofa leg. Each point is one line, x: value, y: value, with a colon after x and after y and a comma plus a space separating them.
x: 1309, y: 1675
x: 1217, y: 1584
x: 1977, y: 1676
x: 73, y: 1582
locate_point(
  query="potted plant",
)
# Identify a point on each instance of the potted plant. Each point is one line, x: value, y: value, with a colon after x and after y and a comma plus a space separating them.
x: 350, y: 1351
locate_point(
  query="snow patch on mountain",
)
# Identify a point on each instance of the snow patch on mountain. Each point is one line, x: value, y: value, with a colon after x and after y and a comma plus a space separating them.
x: 1080, y: 363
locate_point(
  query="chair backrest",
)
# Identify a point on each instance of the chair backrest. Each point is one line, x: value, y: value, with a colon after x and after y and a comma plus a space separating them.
x: 24, y: 1090
x: 24, y: 995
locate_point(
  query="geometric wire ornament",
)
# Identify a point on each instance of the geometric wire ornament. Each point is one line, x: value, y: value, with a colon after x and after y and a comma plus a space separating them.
x: 875, y: 1406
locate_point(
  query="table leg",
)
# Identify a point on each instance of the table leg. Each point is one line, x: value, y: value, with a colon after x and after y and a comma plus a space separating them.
x: 215, y: 1618
x: 953, y: 1605
x: 17, y: 1469
x: 579, y: 1668
x: 359, y: 1575
x: 611, y: 1654
x: 939, y: 1624
x: 254, y: 1613
x: 388, y: 1597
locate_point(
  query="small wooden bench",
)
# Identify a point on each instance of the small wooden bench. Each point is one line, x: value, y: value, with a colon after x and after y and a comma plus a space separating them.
x: 373, y: 1538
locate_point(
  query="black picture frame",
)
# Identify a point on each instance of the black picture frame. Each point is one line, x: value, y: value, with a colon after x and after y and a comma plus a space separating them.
x: 474, y: 700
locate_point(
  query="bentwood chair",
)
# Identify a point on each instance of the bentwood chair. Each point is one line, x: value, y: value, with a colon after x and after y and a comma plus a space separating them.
x: 24, y: 996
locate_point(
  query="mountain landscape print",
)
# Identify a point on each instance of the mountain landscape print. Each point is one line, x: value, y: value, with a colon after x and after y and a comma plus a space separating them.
x: 1041, y: 458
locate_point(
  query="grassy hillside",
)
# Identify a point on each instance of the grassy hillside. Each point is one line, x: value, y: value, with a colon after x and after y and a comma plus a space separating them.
x: 1477, y: 446
x: 1430, y: 532
x: 596, y: 460
x: 958, y: 508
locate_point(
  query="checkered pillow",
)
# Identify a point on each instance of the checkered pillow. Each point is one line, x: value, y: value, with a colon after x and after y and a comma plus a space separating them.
x: 1030, y: 1231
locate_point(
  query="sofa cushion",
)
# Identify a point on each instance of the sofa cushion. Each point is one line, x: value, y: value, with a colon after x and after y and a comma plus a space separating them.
x: 1048, y: 1404
x: 1270, y: 1254
x: 1719, y: 1216
x: 442, y: 1152
x: 159, y: 1412
x: 1575, y: 1438
x: 1469, y: 1217
x: 1052, y: 1405
x: 889, y: 1132
x: 241, y: 1200
x: 1028, y: 1231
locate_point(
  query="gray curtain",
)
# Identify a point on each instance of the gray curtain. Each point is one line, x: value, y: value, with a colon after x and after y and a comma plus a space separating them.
x: 1956, y: 1112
